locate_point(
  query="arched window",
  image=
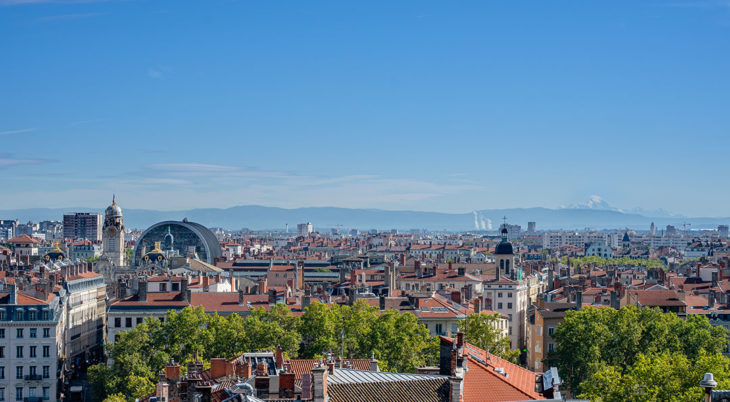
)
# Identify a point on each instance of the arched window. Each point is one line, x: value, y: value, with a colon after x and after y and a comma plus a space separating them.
x: 506, y: 267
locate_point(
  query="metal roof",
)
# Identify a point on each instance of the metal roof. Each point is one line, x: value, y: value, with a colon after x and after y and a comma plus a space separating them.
x: 349, y: 376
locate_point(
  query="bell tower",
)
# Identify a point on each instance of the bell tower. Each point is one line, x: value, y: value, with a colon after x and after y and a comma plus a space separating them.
x: 113, y: 235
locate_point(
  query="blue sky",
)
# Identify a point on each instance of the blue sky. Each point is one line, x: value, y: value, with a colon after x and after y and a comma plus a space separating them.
x: 442, y: 106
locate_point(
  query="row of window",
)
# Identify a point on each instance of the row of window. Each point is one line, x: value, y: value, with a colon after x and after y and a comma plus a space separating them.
x: 128, y: 321
x: 32, y: 393
x: 509, y: 294
x: 32, y: 351
x: 33, y: 315
x: 32, y: 372
x: 499, y: 306
x: 32, y: 332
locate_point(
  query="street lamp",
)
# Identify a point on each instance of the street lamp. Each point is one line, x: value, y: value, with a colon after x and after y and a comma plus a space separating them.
x: 708, y: 383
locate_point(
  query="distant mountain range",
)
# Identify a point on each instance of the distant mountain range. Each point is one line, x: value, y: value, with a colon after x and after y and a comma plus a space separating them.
x: 260, y: 217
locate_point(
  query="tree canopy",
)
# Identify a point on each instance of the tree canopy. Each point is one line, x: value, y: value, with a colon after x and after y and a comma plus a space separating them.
x: 595, y: 343
x: 619, y: 262
x: 481, y: 331
x: 357, y: 331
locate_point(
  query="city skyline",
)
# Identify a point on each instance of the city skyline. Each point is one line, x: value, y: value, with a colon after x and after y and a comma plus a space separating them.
x: 409, y: 106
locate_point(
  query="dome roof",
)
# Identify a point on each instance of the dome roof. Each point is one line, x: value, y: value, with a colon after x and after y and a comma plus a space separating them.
x: 504, y: 248
x: 154, y: 255
x: 55, y: 254
x: 113, y: 210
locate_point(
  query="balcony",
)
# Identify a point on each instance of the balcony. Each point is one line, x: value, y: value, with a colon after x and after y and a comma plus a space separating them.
x: 33, y: 377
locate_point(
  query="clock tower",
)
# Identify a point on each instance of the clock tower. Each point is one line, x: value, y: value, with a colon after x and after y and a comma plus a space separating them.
x: 113, y: 235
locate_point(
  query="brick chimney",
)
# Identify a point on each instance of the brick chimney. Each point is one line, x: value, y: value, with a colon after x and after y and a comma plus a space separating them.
x: 455, y: 391
x: 172, y: 371
x: 279, y: 357
x: 459, y: 339
x: 243, y: 369
x: 306, y: 386
x: 240, y: 297
x: 263, y: 285
x: 218, y: 367
x: 381, y: 301
x: 319, y: 374
x: 272, y: 296
x: 286, y: 384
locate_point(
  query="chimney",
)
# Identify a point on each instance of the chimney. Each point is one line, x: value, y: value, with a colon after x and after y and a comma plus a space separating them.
x: 240, y: 297
x: 353, y: 278
x: 331, y: 367
x: 217, y: 367
x: 263, y: 285
x: 450, y: 266
x: 614, y: 300
x: 305, y: 302
x: 461, y: 271
x: 162, y: 391
x: 373, y: 363
x: 456, y: 297
x: 142, y: 291
x: 455, y: 391
x: 319, y: 374
x: 711, y: 299
x: 172, y: 371
x: 184, y: 291
x: 306, y: 386
x: 459, y: 339
x: 272, y: 296
x: 13, y: 294
x: 243, y: 370
x: 477, y: 305
x: 286, y: 384
x: 279, y: 357
x: 715, y: 277
x: 579, y: 300
x: 419, y: 270
x: 402, y: 259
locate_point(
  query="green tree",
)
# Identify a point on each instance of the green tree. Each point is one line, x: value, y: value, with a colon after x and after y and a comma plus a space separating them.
x: 659, y: 377
x: 481, y: 331
x: 118, y: 397
x: 596, y: 337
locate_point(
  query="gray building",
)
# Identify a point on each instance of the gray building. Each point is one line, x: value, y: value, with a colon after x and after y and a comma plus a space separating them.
x: 82, y: 225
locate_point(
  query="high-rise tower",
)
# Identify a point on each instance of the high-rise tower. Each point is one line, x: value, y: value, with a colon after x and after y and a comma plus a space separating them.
x: 113, y: 235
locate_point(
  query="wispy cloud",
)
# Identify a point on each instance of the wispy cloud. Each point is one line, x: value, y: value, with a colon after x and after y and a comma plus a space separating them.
x: 64, y: 17
x: 154, y: 73
x: 23, y: 130
x: 194, y: 169
x: 7, y: 160
x: 23, y: 2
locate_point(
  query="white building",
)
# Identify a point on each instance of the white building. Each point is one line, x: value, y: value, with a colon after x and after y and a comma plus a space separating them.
x: 599, y: 249
x: 32, y: 333
x: 304, y: 229
x: 553, y: 240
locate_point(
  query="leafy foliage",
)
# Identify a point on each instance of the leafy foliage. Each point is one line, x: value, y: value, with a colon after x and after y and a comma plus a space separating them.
x: 356, y: 331
x: 481, y: 331
x: 595, y: 343
x: 621, y: 262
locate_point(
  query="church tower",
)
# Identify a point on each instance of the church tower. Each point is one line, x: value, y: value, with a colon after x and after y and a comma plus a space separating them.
x: 504, y: 256
x: 113, y: 235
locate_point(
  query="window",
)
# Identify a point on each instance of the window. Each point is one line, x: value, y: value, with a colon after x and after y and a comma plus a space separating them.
x: 128, y: 322
x: 45, y: 315
x: 551, y: 347
x: 33, y: 332
x: 31, y: 315
x: 2, y: 352
x: 46, y: 351
x: 509, y: 306
x: 19, y: 372
x: 139, y: 320
x: 46, y: 371
x: 2, y: 333
x: 439, y: 329
x: 46, y: 392
x: 20, y: 333
x: 31, y: 392
x: 499, y: 294
x: 551, y: 331
x: 2, y: 314
x: 18, y: 351
x: 32, y: 351
x: 118, y: 322
x: 2, y: 394
x: 18, y: 393
x: 163, y: 287
x: 176, y: 287
x: 509, y: 294
x: 499, y: 306
x: 46, y: 332
x: 33, y: 371
x: 2, y: 372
